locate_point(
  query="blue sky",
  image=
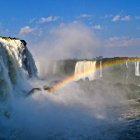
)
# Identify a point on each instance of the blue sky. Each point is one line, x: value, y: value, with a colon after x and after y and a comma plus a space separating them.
x: 111, y: 20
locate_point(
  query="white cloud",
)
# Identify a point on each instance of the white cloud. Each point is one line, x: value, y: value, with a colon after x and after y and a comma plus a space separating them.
x: 85, y: 16
x: 48, y: 19
x: 116, y: 18
x: 122, y: 42
x: 121, y: 18
x: 26, y: 30
x: 126, y: 18
x: 97, y: 27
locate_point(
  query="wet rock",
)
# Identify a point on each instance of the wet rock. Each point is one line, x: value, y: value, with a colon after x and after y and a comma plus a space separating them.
x: 33, y: 91
x: 48, y: 88
x: 7, y: 114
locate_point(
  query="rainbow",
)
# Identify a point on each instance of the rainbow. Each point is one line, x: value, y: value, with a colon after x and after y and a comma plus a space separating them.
x: 105, y: 63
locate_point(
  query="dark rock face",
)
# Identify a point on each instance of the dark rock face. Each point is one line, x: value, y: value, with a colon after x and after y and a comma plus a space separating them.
x: 28, y: 62
x: 33, y: 91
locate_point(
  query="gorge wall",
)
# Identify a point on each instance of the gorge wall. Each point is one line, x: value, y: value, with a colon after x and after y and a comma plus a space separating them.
x: 117, y: 69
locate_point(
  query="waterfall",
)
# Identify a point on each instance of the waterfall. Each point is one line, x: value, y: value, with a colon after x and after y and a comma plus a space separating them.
x: 54, y: 70
x: 126, y: 65
x: 5, y: 83
x: 137, y: 69
x: 16, y: 63
x: 87, y: 68
x: 101, y: 71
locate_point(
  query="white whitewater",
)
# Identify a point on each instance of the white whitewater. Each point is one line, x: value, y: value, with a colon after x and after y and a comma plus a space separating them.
x: 101, y: 70
x: 137, y: 69
x: 126, y: 65
x: 5, y: 83
x: 83, y: 66
x: 16, y: 63
x: 55, y: 68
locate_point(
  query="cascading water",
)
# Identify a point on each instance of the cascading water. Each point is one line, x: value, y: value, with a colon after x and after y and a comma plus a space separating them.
x: 126, y: 65
x: 101, y: 71
x: 137, y: 69
x: 16, y: 64
x: 83, y: 67
x: 55, y: 67
x: 5, y: 83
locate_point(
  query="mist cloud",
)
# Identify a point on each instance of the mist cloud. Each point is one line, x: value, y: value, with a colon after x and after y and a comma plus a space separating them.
x: 69, y: 41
